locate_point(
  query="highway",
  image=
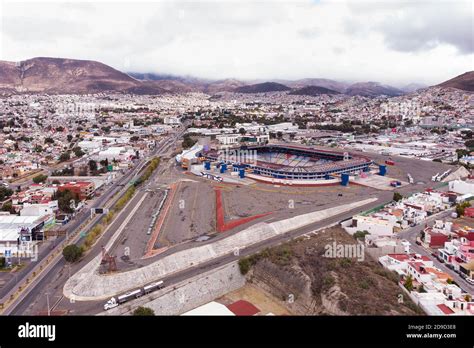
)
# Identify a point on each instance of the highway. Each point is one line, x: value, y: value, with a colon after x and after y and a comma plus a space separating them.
x: 178, y: 277
x: 47, y: 291
x: 108, y: 197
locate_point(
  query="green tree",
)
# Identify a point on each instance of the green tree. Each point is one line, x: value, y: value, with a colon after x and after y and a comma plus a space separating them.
x: 462, y: 153
x: 460, y: 207
x: 409, y: 283
x: 8, y: 207
x: 469, y: 143
x: 397, y: 196
x: 38, y: 148
x: 78, y: 151
x: 104, y: 162
x: 5, y: 192
x: 92, y: 166
x: 66, y: 156
x: 64, y: 200
x: 72, y: 253
x: 360, y: 234
x: 143, y: 311
x: 40, y: 178
x: 188, y: 142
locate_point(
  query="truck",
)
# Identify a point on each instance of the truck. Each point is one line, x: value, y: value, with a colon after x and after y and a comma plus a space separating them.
x: 114, y: 302
x: 152, y: 287
x: 110, y: 304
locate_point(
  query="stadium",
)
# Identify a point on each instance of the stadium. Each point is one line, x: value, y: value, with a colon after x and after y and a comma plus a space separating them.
x: 288, y: 162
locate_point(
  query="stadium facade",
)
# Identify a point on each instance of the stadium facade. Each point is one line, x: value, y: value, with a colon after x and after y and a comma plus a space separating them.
x: 290, y: 162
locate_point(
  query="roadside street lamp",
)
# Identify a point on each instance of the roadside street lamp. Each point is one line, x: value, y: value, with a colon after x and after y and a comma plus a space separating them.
x: 47, y: 303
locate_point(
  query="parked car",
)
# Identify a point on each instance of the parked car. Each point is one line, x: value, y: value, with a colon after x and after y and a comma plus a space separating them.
x: 418, y: 242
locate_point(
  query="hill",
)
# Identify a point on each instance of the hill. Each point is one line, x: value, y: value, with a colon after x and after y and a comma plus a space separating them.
x: 68, y: 76
x: 413, y: 87
x: 321, y: 285
x: 313, y: 91
x: 326, y: 83
x: 372, y: 89
x: 183, y: 84
x: 262, y: 88
x: 464, y: 82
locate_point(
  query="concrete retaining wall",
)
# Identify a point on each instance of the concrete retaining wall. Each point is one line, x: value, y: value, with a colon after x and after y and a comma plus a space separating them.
x: 189, y: 294
x: 88, y: 284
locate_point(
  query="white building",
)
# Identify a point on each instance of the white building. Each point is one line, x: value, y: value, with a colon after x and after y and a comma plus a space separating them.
x: 228, y: 139
x: 89, y: 146
x: 16, y: 233
x: 39, y: 209
x: 461, y: 187
x: 375, y: 226
x: 119, y: 153
x: 175, y: 120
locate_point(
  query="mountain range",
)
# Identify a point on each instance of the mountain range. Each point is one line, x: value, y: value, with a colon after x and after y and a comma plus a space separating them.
x: 72, y: 76
x: 464, y: 81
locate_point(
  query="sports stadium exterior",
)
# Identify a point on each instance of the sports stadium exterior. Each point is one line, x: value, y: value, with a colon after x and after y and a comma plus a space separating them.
x: 290, y: 162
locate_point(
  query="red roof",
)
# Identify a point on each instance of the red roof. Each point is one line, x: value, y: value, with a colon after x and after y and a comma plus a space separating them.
x: 419, y: 267
x: 77, y: 183
x: 469, y: 212
x: 445, y: 309
x: 405, y: 257
x: 243, y: 307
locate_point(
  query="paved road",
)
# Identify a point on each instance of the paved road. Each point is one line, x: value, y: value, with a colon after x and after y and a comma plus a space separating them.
x: 39, y: 285
x: 95, y: 307
x: 412, y: 233
x: 56, y: 278
x: 71, y: 227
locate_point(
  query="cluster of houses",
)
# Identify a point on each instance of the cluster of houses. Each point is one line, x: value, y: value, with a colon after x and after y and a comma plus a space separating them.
x: 411, y: 211
x: 429, y: 287
x: 34, y: 211
x: 451, y: 242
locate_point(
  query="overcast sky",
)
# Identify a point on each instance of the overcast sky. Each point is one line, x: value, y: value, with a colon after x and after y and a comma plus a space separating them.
x: 394, y: 42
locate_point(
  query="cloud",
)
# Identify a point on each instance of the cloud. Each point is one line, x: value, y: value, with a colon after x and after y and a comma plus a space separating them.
x: 383, y: 41
x: 418, y: 26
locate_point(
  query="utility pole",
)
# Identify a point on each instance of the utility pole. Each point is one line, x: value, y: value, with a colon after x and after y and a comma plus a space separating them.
x: 47, y: 303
